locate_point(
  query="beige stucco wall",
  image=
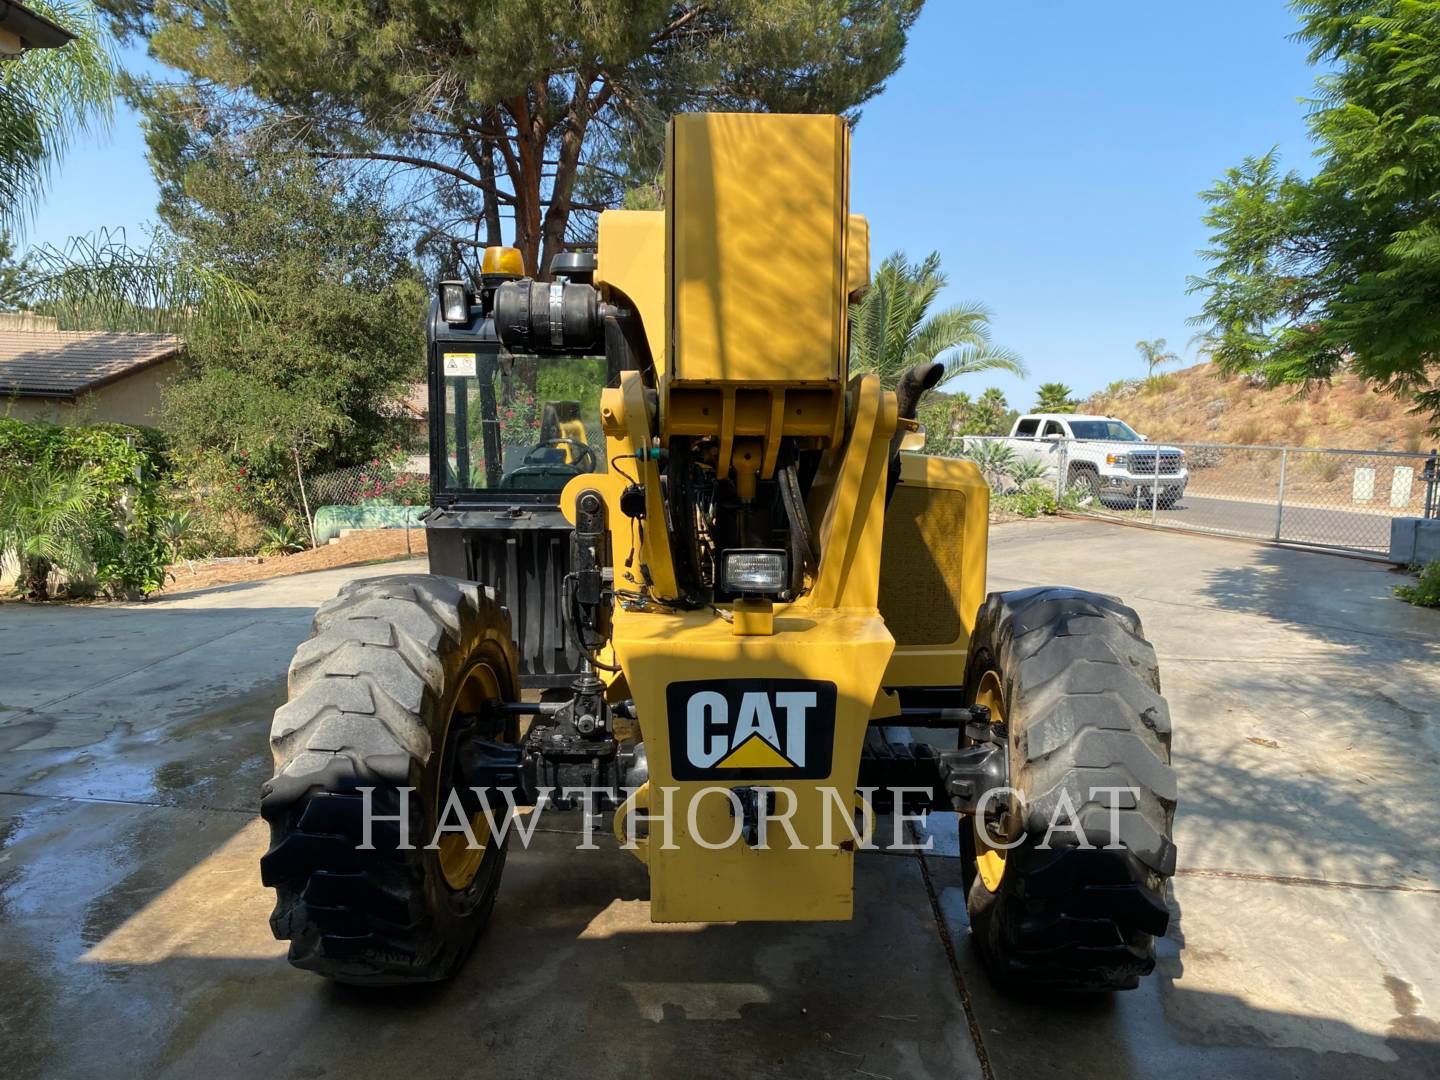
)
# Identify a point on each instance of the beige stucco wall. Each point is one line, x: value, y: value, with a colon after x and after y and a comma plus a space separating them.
x: 134, y: 399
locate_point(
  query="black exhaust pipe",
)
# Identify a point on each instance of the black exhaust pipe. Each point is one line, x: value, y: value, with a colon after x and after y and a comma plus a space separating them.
x: 913, y: 385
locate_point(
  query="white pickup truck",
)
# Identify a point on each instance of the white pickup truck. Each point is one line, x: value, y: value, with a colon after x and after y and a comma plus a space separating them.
x: 1103, y: 456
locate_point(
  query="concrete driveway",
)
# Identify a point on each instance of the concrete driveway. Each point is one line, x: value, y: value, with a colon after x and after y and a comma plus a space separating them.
x: 1305, y: 940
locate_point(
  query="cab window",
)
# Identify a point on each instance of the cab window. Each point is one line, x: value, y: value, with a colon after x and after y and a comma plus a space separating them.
x: 1028, y: 428
x: 527, y: 429
x: 1053, y: 427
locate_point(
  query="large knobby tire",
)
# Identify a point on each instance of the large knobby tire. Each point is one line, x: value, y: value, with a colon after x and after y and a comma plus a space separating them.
x: 394, y: 671
x: 1074, y: 680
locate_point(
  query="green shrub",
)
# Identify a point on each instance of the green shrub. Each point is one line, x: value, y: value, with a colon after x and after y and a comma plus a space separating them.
x: 995, y: 460
x: 48, y: 522
x: 1027, y: 471
x: 84, y: 500
x: 1426, y: 591
x: 1029, y: 501
x: 281, y: 540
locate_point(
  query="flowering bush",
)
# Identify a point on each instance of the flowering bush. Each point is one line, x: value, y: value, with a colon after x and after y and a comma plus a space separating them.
x: 387, y: 482
x: 520, y: 420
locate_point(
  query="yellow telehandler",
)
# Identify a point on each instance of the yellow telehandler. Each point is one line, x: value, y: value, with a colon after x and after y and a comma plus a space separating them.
x: 687, y: 571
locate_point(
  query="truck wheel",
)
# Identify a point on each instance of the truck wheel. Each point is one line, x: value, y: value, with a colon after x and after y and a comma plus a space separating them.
x: 396, y: 672
x: 1075, y: 683
x: 1086, y: 484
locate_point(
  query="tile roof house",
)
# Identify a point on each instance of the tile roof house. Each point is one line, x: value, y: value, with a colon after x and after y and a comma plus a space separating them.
x: 82, y: 376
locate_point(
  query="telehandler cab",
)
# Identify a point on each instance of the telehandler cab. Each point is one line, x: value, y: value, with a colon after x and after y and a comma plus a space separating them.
x: 682, y: 561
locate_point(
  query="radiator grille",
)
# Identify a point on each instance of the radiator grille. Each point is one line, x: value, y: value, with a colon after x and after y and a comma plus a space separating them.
x: 527, y: 567
x: 920, y: 568
x: 1144, y: 463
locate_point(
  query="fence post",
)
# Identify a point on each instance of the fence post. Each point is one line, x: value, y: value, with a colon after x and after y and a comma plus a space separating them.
x: 1155, y: 490
x: 1431, y: 475
x: 1280, y: 502
x: 1061, y: 454
x: 304, y: 499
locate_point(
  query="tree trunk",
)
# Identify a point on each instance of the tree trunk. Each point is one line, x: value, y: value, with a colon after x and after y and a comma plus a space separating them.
x: 525, y: 167
x: 38, y: 574
x: 491, y: 210
x: 557, y: 216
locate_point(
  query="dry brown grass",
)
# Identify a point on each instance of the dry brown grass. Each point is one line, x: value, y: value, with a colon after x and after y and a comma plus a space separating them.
x: 1246, y: 433
x: 1325, y: 468
x: 1197, y: 404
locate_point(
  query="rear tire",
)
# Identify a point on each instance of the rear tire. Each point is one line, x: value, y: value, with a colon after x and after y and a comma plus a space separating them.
x: 1081, y: 699
x: 394, y: 670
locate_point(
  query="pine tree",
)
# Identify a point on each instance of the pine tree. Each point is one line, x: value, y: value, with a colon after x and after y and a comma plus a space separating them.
x: 539, y: 111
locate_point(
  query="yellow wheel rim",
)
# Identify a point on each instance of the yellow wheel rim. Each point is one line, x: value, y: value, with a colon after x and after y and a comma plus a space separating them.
x: 459, y: 862
x: 989, y: 861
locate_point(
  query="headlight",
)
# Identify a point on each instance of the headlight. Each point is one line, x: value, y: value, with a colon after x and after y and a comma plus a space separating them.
x: 754, y: 572
x: 454, y: 303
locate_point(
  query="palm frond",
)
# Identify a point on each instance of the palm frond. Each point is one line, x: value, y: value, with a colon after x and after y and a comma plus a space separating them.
x: 968, y: 359
x: 101, y: 282
x: 48, y: 516
x: 959, y: 325
x: 893, y: 329
x: 48, y: 97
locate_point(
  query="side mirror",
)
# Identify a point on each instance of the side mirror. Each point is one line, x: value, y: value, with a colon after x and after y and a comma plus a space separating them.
x: 1053, y: 437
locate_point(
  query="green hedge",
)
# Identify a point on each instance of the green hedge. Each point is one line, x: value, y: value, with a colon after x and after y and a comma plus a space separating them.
x: 127, y: 467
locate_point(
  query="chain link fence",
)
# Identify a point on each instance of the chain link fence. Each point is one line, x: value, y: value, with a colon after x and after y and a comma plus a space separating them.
x: 1338, y: 499
x: 378, y: 495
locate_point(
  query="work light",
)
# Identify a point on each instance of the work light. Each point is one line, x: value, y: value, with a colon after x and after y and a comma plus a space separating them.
x: 453, y: 302
x: 754, y: 572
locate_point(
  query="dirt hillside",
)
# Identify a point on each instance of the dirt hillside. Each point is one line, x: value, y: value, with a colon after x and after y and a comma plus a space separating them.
x: 1198, y: 404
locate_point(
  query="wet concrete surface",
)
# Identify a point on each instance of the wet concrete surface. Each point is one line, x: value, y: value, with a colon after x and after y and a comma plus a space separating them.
x: 1305, y: 939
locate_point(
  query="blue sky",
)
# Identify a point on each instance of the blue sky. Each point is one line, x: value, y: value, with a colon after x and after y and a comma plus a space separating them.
x: 1051, y: 150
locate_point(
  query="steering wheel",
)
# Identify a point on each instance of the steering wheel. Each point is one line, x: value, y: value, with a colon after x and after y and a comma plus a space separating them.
x: 585, y: 460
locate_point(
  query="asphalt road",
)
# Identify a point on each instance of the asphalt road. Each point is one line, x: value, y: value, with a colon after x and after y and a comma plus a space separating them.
x: 1299, y: 525
x: 1305, y: 911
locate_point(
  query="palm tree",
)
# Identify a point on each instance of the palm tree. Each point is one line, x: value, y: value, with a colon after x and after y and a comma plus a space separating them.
x: 1054, y: 397
x: 48, y: 516
x: 1154, y: 355
x: 47, y: 98
x: 893, y: 329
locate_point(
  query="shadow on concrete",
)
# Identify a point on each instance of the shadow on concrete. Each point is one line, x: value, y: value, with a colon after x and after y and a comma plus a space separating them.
x: 1167, y: 1028
x: 1327, y: 761
x: 1328, y: 598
